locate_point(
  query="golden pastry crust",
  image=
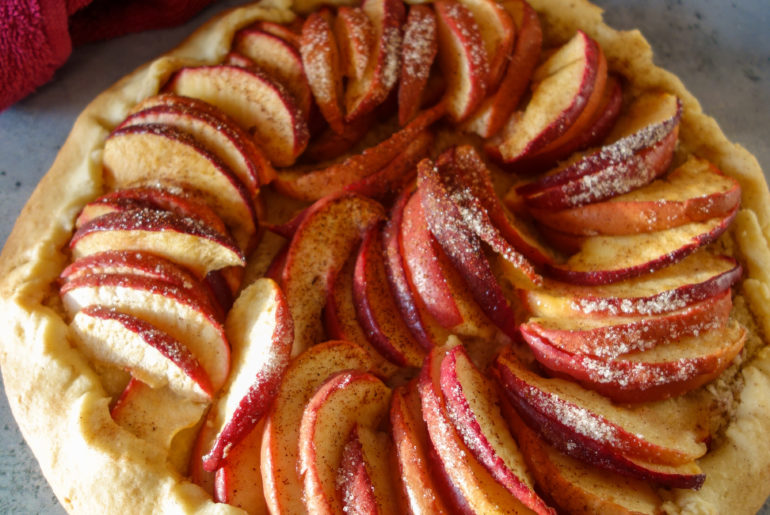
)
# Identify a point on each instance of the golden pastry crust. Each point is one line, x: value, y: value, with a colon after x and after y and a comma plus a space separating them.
x: 96, y: 467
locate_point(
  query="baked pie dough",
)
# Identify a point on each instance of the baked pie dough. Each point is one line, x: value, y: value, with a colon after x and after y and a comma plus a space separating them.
x: 62, y: 401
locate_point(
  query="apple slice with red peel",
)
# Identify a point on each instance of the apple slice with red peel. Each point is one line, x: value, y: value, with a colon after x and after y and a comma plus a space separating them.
x: 364, y: 94
x: 496, y: 109
x: 260, y: 331
x: 149, y: 155
x: 341, y: 321
x: 155, y: 414
x: 159, y: 232
x: 330, y: 145
x: 476, y: 486
x: 498, y: 33
x: 473, y: 407
x: 238, y: 481
x: 311, y: 186
x: 376, y: 308
x: 282, y: 482
x: 563, y: 85
x: 412, y: 448
x: 167, y: 307
x: 321, y: 61
x: 696, y: 278
x: 658, y: 373
x: 611, y: 337
x: 285, y: 32
x: 279, y: 59
x: 324, y: 240
x: 255, y: 101
x: 462, y: 57
x: 365, y: 480
x: 572, y: 418
x: 608, y: 259
x: 694, y: 192
x: 418, y: 51
x: 355, y: 40
x: 575, y: 486
x: 151, y: 355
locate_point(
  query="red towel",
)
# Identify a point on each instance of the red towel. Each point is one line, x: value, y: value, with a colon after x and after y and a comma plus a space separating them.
x: 36, y: 36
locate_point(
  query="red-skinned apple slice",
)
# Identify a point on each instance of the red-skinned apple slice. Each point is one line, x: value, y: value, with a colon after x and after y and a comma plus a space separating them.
x: 330, y: 145
x: 238, y: 481
x: 612, y: 337
x: 576, y: 487
x: 695, y: 278
x: 572, y: 417
x: 355, y: 40
x: 282, y: 483
x: 563, y: 85
x: 462, y: 57
x: 179, y: 239
x: 418, y: 51
x: 498, y: 33
x: 254, y: 101
x: 365, y: 481
x: 659, y: 373
x: 342, y: 401
x: 473, y: 407
x: 477, y: 487
x: 607, y: 259
x: 322, y: 243
x: 279, y: 59
x: 321, y: 60
x: 163, y: 305
x: 287, y: 33
x: 495, y: 111
x: 694, y: 192
x: 364, y: 94
x: 151, y: 355
x: 261, y: 333
x: 412, y: 446
x: 149, y: 155
x: 376, y: 308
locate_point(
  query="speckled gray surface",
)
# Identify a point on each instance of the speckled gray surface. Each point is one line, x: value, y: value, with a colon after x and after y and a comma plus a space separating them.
x: 720, y: 49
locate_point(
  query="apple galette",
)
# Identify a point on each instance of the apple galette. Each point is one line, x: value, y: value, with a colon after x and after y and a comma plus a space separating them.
x: 470, y: 256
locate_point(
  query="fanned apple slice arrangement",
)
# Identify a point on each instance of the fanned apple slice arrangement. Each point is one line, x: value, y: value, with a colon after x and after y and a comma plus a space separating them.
x: 493, y: 284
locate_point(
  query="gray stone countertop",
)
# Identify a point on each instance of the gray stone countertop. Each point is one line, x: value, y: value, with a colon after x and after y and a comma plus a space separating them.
x: 719, y: 48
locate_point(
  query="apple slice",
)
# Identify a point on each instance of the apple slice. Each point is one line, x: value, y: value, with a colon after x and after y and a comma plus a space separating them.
x: 288, y: 33
x: 462, y: 57
x: 155, y: 415
x: 355, y: 40
x: 330, y: 145
x: 161, y: 304
x: 254, y: 101
x: 151, y: 355
x: 696, y: 278
x: 563, y: 85
x: 412, y: 447
x: 148, y: 155
x: 614, y: 336
x: 365, y: 480
x: 496, y: 109
x: 498, y: 33
x: 476, y: 486
x: 573, y: 417
x: 159, y: 232
x: 261, y: 333
x: 694, y: 192
x: 418, y: 51
x: 473, y: 407
x: 282, y: 483
x: 659, y: 373
x: 321, y: 60
x: 364, y: 94
x: 279, y: 59
x: 376, y: 308
x: 322, y: 243
x: 237, y: 481
x: 576, y: 487
x: 342, y: 401
x: 607, y: 259
x: 311, y: 186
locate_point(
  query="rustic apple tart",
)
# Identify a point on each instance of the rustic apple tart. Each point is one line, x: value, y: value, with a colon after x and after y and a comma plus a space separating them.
x: 470, y: 256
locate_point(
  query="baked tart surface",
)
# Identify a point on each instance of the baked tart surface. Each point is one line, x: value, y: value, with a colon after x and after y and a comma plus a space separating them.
x: 616, y: 339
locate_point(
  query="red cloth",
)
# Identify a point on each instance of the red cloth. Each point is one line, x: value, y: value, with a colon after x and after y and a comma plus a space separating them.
x: 36, y: 36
